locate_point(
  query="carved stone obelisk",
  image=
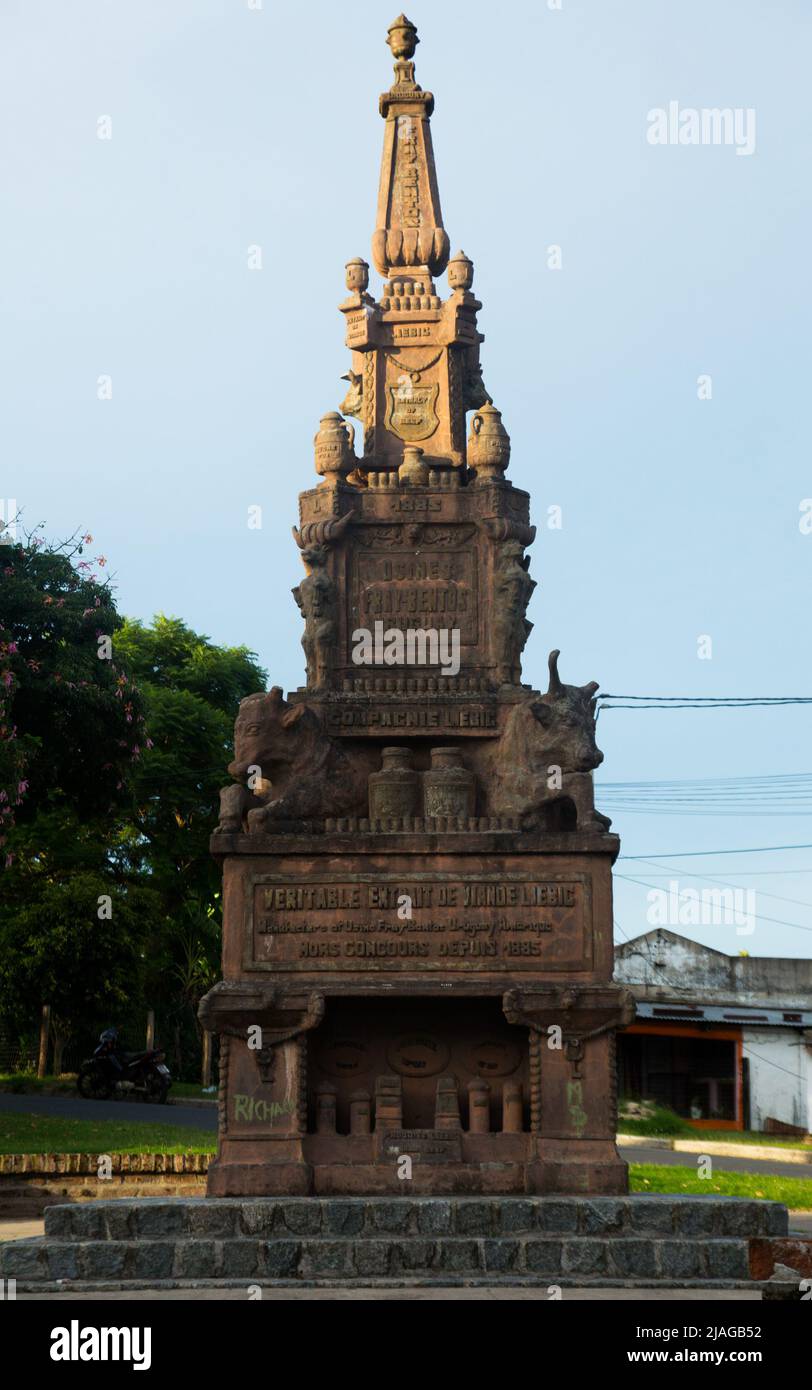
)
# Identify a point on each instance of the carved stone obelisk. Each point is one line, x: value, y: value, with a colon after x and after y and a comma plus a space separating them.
x: 417, y: 953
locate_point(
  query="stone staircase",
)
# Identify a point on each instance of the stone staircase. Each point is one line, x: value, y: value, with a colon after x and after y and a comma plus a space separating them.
x: 639, y: 1241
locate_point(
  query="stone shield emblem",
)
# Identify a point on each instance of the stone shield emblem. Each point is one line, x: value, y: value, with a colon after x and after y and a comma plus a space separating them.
x: 412, y: 410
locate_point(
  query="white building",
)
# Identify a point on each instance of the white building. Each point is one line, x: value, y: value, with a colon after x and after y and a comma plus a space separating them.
x: 725, y: 1041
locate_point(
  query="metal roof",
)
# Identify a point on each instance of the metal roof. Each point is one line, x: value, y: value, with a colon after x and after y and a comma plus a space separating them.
x: 748, y: 1015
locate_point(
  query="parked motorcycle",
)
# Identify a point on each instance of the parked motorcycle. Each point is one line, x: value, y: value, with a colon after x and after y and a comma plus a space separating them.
x: 112, y: 1071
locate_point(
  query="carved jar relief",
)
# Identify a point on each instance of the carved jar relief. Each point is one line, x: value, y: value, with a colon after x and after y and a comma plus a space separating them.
x: 395, y: 790
x: 449, y: 789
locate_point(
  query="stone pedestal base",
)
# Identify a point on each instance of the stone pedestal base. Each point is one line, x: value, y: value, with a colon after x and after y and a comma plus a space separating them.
x: 234, y: 1179
x: 489, y: 1165
x: 592, y: 1167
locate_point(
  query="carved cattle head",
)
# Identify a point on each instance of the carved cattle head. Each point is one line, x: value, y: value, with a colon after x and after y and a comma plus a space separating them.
x: 567, y: 713
x: 266, y: 734
x: 353, y: 402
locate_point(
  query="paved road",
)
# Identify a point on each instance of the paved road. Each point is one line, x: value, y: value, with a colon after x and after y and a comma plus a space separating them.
x: 722, y: 1164
x: 75, y: 1108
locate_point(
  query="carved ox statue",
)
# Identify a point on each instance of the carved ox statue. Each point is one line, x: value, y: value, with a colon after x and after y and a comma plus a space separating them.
x: 541, y: 768
x: 298, y: 773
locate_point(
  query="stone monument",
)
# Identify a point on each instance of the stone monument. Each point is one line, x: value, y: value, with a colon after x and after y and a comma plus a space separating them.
x: 417, y: 1005
x: 417, y: 991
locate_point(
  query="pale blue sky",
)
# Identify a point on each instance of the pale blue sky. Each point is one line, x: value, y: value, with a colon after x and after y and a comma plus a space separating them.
x: 233, y: 127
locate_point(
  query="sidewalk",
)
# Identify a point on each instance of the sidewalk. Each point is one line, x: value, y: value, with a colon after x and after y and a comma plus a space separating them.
x: 721, y: 1148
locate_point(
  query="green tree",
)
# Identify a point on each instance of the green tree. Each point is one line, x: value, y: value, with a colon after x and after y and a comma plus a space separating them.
x: 71, y: 732
x: 114, y: 742
x: 192, y: 690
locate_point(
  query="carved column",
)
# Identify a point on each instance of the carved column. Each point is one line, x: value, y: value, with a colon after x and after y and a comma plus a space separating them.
x: 572, y: 1097
x: 263, y: 1087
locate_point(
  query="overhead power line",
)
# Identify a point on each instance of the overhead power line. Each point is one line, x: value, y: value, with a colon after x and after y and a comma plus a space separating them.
x: 724, y: 883
x: 777, y: 921
x: 699, y: 853
x: 775, y: 794
x: 608, y: 701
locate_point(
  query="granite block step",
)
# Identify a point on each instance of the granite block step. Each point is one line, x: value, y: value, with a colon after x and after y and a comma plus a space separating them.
x: 309, y: 1259
x: 321, y: 1242
x: 232, y: 1217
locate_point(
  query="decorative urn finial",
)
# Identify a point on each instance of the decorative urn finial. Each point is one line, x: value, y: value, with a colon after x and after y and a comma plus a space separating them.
x: 460, y: 272
x: 402, y: 38
x: 357, y: 275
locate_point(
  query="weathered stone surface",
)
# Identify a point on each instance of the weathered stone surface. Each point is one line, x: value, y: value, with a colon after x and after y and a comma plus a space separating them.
x: 584, y: 1257
x: 696, y: 1218
x: 329, y: 1257
x: 680, y: 1259
x: 260, y: 1217
x: 343, y: 1218
x: 516, y: 1216
x: 196, y: 1259
x: 392, y: 1216
x: 554, y: 1215
x: 544, y: 1258
x: 159, y: 1219
x: 552, y: 1241
x: 473, y: 1218
x: 604, y: 1217
x: 727, y: 1259
x: 282, y: 1258
x: 458, y: 1255
x: 502, y: 1255
x: 373, y: 1258
x: 434, y: 1218
x: 632, y: 1259
x: 212, y: 1220
x: 413, y: 1255
x: 22, y: 1259
x: 151, y: 1259
x: 651, y: 1216
x: 103, y: 1259
x: 303, y: 1218
x: 242, y: 1259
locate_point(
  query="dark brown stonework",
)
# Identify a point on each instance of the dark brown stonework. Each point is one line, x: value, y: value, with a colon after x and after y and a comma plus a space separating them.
x: 417, y: 989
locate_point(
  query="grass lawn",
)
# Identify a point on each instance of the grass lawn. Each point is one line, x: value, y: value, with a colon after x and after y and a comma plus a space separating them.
x: 36, y: 1134
x: 25, y: 1083
x: 664, y: 1124
x: 649, y: 1177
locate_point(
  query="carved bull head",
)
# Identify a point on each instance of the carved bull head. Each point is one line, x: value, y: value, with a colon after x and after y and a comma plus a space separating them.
x: 263, y: 733
x: 567, y: 712
x: 352, y: 403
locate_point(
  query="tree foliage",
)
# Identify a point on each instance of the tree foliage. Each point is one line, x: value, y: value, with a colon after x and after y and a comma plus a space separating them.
x: 114, y: 740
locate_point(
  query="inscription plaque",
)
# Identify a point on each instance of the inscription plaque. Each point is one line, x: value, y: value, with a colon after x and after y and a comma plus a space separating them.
x: 393, y: 717
x: 432, y: 1145
x: 493, y: 924
x: 406, y: 590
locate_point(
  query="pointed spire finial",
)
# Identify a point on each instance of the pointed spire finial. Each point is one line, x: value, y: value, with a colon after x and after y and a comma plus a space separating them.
x: 409, y: 236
